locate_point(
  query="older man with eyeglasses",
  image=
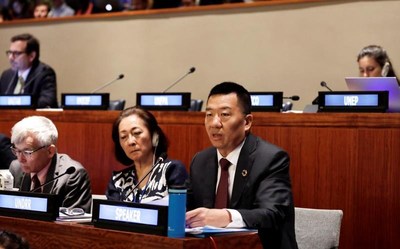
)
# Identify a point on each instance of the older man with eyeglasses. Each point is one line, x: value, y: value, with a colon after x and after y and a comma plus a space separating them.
x: 33, y: 142
x: 28, y: 75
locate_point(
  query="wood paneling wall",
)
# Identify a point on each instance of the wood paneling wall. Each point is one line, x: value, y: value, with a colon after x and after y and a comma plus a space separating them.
x: 345, y: 161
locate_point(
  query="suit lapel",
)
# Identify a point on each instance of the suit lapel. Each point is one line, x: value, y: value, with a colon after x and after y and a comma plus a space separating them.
x: 51, y: 173
x: 243, y: 169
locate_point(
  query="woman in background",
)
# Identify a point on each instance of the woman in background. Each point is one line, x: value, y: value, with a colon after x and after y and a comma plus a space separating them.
x: 373, y: 61
x: 140, y: 143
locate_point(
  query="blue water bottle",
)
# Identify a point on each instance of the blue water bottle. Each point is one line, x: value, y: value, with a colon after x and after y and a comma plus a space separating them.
x: 176, y: 211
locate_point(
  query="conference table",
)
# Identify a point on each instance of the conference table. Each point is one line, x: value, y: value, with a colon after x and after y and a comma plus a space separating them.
x: 50, y: 235
x: 347, y: 161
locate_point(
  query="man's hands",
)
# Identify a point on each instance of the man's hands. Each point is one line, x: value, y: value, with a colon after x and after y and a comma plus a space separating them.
x: 201, y: 217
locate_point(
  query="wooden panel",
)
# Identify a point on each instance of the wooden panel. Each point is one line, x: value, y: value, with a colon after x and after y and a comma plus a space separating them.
x: 50, y: 235
x: 345, y: 161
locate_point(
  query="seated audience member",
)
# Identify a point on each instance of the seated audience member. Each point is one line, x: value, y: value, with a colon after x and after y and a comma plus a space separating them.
x: 373, y: 61
x: 187, y: 3
x: 42, y: 9
x: 6, y: 155
x: 28, y: 74
x: 242, y: 181
x: 34, y: 143
x: 81, y: 7
x: 139, y: 142
x: 61, y: 9
x: 20, y: 9
x: 10, y: 240
x: 210, y: 2
x: 106, y: 6
x: 140, y: 4
x: 162, y: 4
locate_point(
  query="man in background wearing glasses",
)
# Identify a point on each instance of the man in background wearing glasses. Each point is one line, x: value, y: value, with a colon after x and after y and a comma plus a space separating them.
x: 27, y: 74
x: 33, y: 142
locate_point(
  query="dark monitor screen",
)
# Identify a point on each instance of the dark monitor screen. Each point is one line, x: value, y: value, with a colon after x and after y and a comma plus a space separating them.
x: 266, y: 101
x: 164, y: 101
x: 85, y: 101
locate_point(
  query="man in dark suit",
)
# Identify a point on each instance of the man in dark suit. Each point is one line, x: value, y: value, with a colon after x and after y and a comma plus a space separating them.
x: 6, y: 156
x: 34, y: 143
x: 258, y: 187
x: 27, y: 74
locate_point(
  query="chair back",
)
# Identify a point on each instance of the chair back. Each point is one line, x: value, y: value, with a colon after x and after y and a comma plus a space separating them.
x: 116, y: 104
x: 317, y: 228
x: 196, y: 105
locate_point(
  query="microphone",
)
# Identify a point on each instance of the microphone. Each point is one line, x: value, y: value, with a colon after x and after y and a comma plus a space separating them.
x: 159, y: 160
x: 69, y: 171
x: 323, y: 84
x: 121, y: 76
x: 294, y: 97
x: 191, y: 70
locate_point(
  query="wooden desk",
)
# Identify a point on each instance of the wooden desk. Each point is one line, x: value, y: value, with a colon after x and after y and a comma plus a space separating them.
x: 345, y: 161
x: 42, y: 235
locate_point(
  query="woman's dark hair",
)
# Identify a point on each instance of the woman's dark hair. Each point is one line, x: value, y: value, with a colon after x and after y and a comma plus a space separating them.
x: 10, y: 240
x: 150, y: 123
x: 380, y: 56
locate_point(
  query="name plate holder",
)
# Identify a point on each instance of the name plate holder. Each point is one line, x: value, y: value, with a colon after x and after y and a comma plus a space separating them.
x: 16, y: 101
x: 36, y: 206
x: 164, y: 101
x: 129, y: 216
x: 266, y: 101
x: 353, y: 101
x: 85, y: 101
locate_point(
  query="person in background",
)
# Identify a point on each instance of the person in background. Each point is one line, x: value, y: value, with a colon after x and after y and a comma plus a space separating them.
x: 139, y: 143
x: 20, y: 9
x: 34, y: 142
x: 6, y: 155
x: 187, y: 3
x: 28, y: 74
x: 210, y: 2
x: 61, y: 9
x: 242, y: 181
x: 373, y: 61
x: 42, y: 9
x: 10, y: 240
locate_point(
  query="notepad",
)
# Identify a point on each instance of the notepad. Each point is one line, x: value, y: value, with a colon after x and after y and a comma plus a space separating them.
x: 206, y: 231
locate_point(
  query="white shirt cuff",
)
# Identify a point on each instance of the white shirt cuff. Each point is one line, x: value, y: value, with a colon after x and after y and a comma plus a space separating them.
x: 237, y: 220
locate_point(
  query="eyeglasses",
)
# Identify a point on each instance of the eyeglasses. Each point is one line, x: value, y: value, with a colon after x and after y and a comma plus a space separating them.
x: 72, y: 211
x: 26, y: 153
x: 14, y: 53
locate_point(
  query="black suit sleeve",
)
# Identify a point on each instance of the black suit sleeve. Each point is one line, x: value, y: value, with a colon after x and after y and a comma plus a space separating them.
x: 6, y: 156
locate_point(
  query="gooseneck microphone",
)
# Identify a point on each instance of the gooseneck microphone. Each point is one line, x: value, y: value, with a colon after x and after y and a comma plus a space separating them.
x: 159, y: 160
x: 191, y: 70
x: 294, y: 97
x: 121, y: 76
x: 323, y: 84
x: 69, y: 171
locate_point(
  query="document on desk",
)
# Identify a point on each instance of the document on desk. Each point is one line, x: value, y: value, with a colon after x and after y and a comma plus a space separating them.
x: 206, y: 231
